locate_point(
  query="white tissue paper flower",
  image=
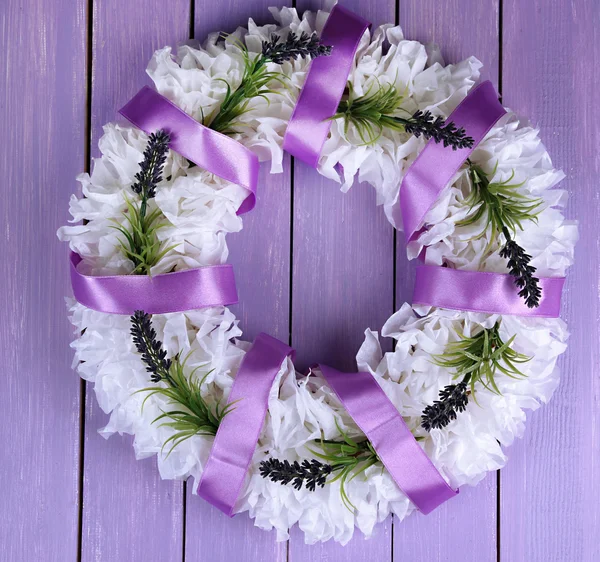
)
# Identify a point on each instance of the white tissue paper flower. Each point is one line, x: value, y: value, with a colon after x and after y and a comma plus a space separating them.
x: 198, y: 210
x: 195, y: 77
x: 470, y: 446
x: 512, y: 150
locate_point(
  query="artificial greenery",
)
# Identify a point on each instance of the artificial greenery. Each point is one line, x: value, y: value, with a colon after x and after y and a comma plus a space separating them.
x: 256, y: 76
x: 377, y: 110
x: 500, y: 203
x: 141, y: 244
x: 191, y: 414
x: 344, y: 460
x: 504, y: 210
x: 475, y: 360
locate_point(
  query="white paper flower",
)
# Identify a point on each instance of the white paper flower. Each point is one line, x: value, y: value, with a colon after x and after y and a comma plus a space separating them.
x: 514, y: 150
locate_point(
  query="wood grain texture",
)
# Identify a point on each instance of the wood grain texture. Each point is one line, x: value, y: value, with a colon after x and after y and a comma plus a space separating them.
x: 261, y: 263
x: 447, y: 536
x: 550, y: 489
x: 342, y: 283
x: 128, y: 512
x: 260, y: 255
x: 42, y: 111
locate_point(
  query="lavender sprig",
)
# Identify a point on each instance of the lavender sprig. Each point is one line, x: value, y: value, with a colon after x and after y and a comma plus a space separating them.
x: 503, y: 209
x: 149, y: 346
x: 522, y: 271
x: 257, y: 79
x: 453, y: 399
x: 191, y: 413
x: 424, y: 123
x: 151, y: 167
x: 377, y: 109
x: 344, y: 460
x: 305, y: 46
x: 311, y: 473
x: 477, y: 360
x: 140, y: 242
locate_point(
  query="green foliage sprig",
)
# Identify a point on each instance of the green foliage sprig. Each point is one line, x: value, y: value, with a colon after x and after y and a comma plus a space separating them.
x: 191, y: 415
x: 371, y: 113
x: 375, y: 111
x: 499, y: 202
x: 344, y: 459
x: 141, y: 244
x: 256, y: 77
x: 476, y: 360
x: 504, y: 210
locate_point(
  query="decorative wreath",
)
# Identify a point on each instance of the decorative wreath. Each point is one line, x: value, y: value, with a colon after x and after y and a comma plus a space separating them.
x: 469, y: 182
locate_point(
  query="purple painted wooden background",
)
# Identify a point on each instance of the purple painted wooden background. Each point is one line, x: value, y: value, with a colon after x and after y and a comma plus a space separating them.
x: 333, y: 269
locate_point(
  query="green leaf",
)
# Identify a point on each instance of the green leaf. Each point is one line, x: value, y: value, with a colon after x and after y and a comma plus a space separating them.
x: 191, y: 413
x: 482, y: 357
x: 499, y: 204
x: 141, y: 244
x: 372, y: 112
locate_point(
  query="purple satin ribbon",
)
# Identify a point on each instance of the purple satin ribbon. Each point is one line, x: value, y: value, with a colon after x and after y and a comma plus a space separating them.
x: 213, y: 285
x: 238, y: 433
x: 436, y: 165
x: 482, y: 291
x: 380, y: 421
x: 324, y: 87
x: 215, y: 152
x: 363, y: 398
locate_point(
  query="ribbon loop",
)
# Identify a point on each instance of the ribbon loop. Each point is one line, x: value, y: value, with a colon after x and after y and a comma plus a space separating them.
x: 213, y: 151
x: 169, y: 292
x: 324, y: 87
x: 482, y: 291
x: 436, y: 165
x: 238, y: 432
x: 380, y: 421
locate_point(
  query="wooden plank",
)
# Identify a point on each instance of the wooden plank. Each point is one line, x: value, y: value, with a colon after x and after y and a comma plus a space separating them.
x: 42, y: 110
x: 461, y: 29
x: 342, y: 284
x: 447, y: 536
x: 129, y: 513
x: 551, y: 487
x: 261, y: 257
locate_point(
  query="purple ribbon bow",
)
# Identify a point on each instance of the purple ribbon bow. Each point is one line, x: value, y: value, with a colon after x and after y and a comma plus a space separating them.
x: 324, y: 87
